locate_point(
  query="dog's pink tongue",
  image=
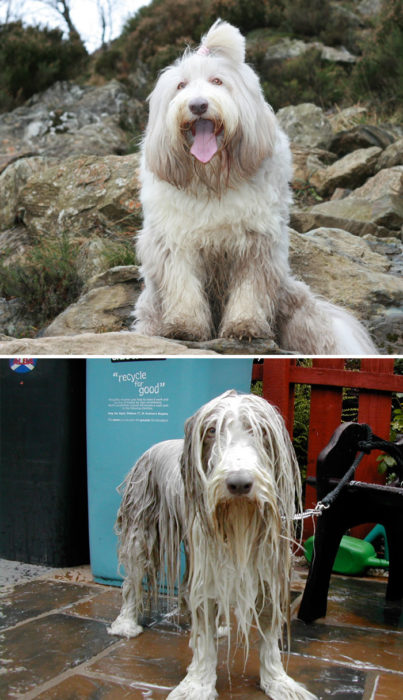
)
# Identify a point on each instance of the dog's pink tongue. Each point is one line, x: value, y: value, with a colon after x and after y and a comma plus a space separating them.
x: 205, y: 143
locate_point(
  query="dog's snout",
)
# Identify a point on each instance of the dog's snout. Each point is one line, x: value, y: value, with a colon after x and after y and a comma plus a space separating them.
x: 198, y: 106
x: 240, y: 483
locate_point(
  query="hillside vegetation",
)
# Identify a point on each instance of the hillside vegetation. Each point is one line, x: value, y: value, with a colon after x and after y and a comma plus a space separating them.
x: 32, y: 58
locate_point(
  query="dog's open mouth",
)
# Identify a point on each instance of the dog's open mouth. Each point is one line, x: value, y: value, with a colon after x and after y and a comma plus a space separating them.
x: 204, y: 145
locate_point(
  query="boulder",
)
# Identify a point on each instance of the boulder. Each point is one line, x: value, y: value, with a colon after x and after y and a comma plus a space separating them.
x: 306, y: 125
x: 387, y: 331
x: 12, y: 180
x: 106, y: 307
x: 100, y: 344
x: 350, y: 171
x: 292, y: 48
x: 361, y: 136
x: 374, y: 208
x: 391, y: 156
x: 349, y: 214
x: 333, y: 264
x: 309, y: 161
x: 84, y: 196
x: 69, y: 119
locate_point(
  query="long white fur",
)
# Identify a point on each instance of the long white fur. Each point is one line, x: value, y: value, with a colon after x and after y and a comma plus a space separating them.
x: 214, y: 246
x: 237, y: 544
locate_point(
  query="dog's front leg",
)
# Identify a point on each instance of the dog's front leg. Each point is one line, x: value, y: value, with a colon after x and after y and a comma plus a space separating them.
x: 199, y: 682
x: 249, y: 311
x: 274, y: 681
x: 174, y: 303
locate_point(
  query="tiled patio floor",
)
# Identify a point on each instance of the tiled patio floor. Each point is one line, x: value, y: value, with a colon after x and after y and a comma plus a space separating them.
x: 54, y: 645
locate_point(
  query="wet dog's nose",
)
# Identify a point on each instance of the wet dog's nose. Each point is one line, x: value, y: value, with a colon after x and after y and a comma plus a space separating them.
x: 240, y: 483
x: 198, y: 106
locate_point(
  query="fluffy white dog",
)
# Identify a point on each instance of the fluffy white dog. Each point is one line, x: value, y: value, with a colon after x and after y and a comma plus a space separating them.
x: 215, y: 193
x: 228, y: 491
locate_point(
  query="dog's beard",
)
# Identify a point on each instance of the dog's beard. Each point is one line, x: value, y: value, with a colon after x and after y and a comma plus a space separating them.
x: 241, y: 553
x: 239, y: 526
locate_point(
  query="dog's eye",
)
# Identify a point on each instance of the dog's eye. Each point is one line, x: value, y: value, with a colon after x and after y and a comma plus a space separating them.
x: 181, y: 86
x: 216, y: 81
x: 210, y: 432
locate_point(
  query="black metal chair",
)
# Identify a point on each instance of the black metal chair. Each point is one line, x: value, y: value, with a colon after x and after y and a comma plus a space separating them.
x: 352, y: 503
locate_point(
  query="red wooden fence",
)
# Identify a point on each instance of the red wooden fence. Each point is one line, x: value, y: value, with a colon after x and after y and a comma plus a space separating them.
x: 375, y: 381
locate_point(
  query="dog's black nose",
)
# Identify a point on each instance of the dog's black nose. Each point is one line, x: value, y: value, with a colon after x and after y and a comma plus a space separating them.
x: 198, y: 106
x: 239, y: 483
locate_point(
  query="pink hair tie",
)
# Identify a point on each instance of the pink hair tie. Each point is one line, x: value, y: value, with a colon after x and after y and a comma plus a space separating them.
x: 203, y: 51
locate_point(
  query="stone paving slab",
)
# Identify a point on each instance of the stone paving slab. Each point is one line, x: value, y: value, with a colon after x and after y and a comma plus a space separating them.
x: 55, y: 646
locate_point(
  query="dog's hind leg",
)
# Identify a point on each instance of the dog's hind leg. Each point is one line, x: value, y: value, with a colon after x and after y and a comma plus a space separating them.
x: 199, y: 682
x: 126, y: 623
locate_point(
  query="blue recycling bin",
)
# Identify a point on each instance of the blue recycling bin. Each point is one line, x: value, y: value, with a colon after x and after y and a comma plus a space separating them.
x: 131, y: 405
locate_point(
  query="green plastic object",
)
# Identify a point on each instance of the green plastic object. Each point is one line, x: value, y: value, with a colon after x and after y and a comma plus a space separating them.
x: 353, y: 557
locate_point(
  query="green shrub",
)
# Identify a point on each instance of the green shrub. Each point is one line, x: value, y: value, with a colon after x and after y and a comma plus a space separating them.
x: 248, y: 14
x: 305, y: 78
x: 307, y: 18
x: 32, y: 58
x: 378, y: 75
x: 47, y: 282
x: 117, y: 254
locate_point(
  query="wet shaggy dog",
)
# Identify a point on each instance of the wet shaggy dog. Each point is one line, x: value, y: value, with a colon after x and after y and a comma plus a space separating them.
x: 215, y: 175
x: 228, y: 492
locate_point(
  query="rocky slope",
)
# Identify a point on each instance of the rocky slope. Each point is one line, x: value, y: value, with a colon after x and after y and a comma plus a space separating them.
x: 66, y: 171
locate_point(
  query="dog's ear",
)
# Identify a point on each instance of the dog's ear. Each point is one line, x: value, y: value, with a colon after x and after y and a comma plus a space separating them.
x: 224, y: 40
x: 165, y: 155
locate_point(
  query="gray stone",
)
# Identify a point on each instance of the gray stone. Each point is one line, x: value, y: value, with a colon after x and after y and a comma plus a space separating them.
x: 387, y: 331
x: 361, y: 136
x: 341, y: 272
x: 106, y: 307
x: 12, y: 180
x: 88, y: 194
x: 233, y: 346
x: 350, y: 171
x: 385, y: 211
x: 68, y: 119
x: 391, y: 156
x: 352, y: 218
x: 292, y: 48
x: 99, y: 344
x: 306, y: 125
x: 385, y: 183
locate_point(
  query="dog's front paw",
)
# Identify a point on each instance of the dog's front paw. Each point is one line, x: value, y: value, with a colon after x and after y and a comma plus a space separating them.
x: 245, y: 329
x: 124, y: 626
x: 192, y: 689
x: 178, y: 329
x: 285, y: 688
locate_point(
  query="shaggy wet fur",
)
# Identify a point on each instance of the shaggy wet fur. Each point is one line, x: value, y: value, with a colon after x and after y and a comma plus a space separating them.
x: 229, y: 492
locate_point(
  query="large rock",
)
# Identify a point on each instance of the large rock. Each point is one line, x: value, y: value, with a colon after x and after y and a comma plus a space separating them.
x: 84, y: 196
x: 292, y: 48
x: 306, y: 125
x: 107, y: 306
x: 343, y: 269
x: 361, y: 136
x: 374, y: 208
x: 12, y: 181
x: 107, y: 344
x: 350, y: 171
x: 349, y: 214
x: 391, y: 156
x: 68, y: 119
